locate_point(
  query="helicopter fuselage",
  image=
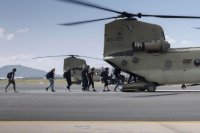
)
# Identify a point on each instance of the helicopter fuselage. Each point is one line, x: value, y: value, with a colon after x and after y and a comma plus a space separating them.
x: 157, y: 63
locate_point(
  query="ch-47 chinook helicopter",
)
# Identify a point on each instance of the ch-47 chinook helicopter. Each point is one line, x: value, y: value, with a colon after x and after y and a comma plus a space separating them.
x: 140, y: 48
x: 77, y: 65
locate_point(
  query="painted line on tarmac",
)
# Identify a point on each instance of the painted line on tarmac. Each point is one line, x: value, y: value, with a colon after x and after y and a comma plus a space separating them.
x: 93, y: 122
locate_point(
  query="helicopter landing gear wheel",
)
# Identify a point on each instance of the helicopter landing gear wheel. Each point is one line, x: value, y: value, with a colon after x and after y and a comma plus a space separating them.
x: 151, y: 88
x: 183, y: 86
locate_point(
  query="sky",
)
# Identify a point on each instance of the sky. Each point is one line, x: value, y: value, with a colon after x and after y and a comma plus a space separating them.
x: 28, y: 28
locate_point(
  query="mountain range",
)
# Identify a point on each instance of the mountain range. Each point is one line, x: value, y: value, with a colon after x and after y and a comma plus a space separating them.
x: 23, y: 71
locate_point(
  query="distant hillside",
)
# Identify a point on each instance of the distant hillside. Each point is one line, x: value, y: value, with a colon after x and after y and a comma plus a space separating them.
x: 23, y: 71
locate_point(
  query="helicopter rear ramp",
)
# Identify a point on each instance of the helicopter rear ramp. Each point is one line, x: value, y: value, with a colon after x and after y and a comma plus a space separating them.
x: 133, y: 86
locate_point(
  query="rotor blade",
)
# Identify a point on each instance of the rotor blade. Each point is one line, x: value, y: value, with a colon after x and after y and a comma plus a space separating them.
x: 51, y: 56
x: 89, y: 57
x: 197, y: 28
x: 81, y: 22
x: 90, y: 5
x: 169, y: 16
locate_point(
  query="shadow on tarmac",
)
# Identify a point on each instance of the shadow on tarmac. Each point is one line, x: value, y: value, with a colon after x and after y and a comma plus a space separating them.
x: 159, y: 95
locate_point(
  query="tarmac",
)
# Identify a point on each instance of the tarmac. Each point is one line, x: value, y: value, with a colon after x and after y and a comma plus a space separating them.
x: 170, y: 108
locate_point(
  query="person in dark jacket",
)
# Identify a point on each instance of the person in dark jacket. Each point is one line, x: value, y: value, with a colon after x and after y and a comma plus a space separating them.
x: 132, y: 75
x: 118, y: 77
x: 91, y: 80
x: 105, y: 79
x: 51, y: 80
x: 83, y: 81
x: 11, y: 80
x: 86, y: 78
x: 68, y: 78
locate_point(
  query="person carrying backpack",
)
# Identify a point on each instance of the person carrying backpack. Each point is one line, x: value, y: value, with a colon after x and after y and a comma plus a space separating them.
x: 50, y: 76
x: 105, y: 78
x: 83, y: 79
x: 68, y: 78
x: 91, y: 80
x: 11, y: 80
x: 118, y: 77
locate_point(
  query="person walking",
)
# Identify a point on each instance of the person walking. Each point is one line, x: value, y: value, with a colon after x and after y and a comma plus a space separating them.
x: 86, y: 78
x: 105, y: 79
x: 118, y: 77
x: 11, y: 80
x: 134, y: 77
x: 91, y: 80
x: 50, y: 76
x: 68, y: 78
x: 83, y: 79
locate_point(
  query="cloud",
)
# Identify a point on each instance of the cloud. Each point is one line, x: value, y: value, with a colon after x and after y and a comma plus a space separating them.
x: 170, y: 40
x: 2, y: 33
x: 184, y: 42
x: 22, y: 30
x: 10, y: 36
x: 45, y: 64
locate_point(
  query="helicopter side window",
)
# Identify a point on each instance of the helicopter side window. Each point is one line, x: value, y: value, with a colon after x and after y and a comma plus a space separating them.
x: 168, y: 64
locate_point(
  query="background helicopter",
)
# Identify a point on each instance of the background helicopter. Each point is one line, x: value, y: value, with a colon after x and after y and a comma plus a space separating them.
x: 140, y: 48
x: 78, y: 65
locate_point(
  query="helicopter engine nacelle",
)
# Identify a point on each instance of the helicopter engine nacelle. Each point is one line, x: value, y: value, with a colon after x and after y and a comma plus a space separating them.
x: 153, y: 46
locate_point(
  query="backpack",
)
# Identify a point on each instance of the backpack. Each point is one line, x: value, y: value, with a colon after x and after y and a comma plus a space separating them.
x: 101, y: 74
x: 47, y: 76
x: 9, y: 75
x: 83, y: 72
x: 115, y: 72
x: 65, y: 75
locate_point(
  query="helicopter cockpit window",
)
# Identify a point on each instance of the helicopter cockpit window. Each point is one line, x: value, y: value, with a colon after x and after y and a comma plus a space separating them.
x: 168, y: 64
x: 197, y: 62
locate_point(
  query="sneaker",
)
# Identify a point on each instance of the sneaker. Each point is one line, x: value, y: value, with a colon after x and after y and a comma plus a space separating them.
x: 104, y: 90
x: 15, y: 91
x: 115, y: 90
x: 69, y: 90
x: 5, y: 90
x: 53, y: 91
x: 47, y: 89
x: 94, y: 90
x: 66, y: 89
x: 108, y: 90
x: 88, y: 90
